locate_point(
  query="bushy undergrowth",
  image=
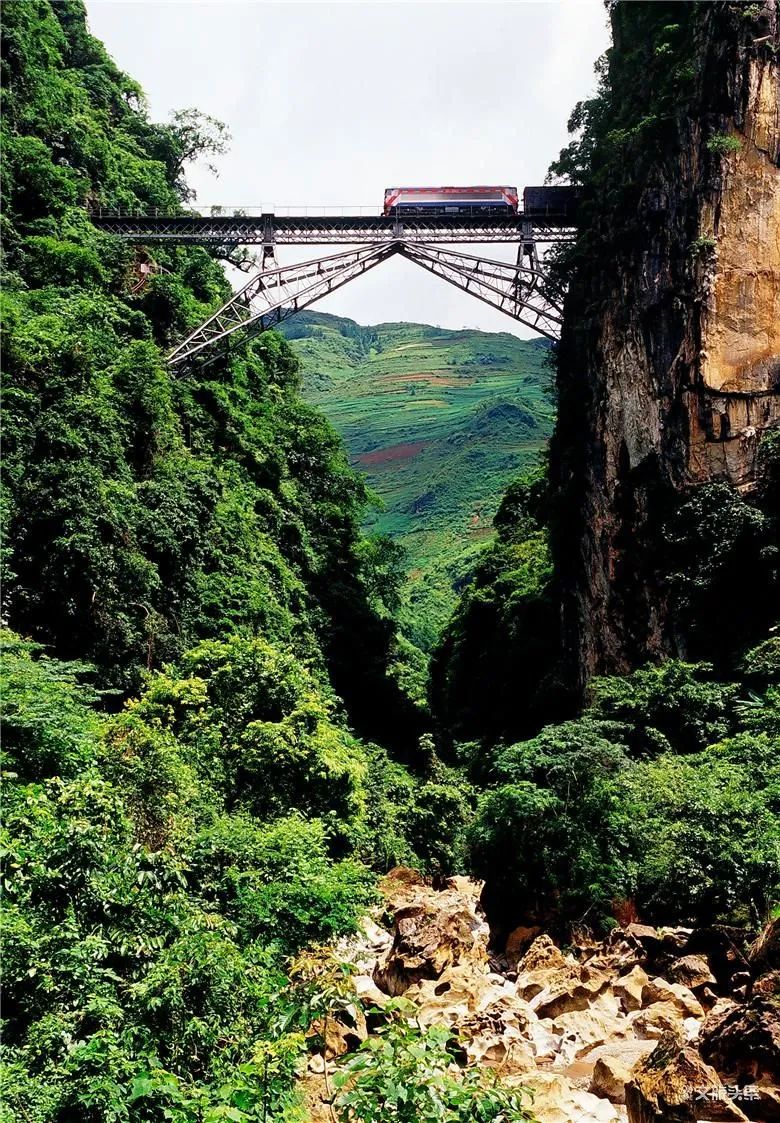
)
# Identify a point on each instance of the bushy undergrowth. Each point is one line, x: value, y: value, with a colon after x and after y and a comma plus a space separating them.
x: 404, y: 1073
x: 163, y: 864
x: 665, y: 793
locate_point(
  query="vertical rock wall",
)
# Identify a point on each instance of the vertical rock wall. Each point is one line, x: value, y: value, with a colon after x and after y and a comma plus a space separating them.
x: 670, y: 358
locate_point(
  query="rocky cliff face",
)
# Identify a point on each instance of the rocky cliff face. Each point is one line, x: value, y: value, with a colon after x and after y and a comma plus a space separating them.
x: 670, y: 359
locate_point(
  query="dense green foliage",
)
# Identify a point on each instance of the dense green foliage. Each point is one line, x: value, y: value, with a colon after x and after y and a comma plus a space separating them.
x: 495, y: 672
x: 664, y: 793
x: 439, y: 421
x: 404, y: 1073
x: 161, y: 864
x: 193, y: 810
x: 145, y: 511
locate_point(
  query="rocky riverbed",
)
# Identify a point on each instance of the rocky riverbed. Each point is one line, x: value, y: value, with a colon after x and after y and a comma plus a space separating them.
x: 649, y: 1024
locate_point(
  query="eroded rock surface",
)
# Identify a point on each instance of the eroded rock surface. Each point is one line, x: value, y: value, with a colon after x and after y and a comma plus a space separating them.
x: 640, y: 1026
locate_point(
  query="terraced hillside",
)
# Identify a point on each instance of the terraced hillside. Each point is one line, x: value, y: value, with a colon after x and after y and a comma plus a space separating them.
x: 440, y: 421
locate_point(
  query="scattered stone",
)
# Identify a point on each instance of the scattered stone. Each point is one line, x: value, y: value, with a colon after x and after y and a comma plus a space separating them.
x: 629, y: 988
x: 683, y: 999
x: 674, y: 1085
x: 577, y: 1028
x: 691, y: 971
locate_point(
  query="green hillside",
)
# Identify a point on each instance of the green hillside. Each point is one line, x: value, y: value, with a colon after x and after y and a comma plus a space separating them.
x: 439, y: 421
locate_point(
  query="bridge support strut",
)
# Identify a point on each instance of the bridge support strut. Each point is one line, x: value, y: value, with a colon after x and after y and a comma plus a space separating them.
x: 277, y: 293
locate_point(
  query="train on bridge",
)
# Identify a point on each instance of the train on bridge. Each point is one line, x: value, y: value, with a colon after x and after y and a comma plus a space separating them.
x: 480, y: 202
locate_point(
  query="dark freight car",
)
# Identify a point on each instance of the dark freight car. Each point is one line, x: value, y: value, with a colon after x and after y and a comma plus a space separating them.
x: 551, y: 202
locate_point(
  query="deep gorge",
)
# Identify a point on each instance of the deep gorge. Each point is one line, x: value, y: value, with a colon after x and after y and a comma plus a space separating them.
x: 224, y: 745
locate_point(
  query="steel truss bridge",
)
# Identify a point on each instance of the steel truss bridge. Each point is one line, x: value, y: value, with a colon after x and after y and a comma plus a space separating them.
x: 277, y: 292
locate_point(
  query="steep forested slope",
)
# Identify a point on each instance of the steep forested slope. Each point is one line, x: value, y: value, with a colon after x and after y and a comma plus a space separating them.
x: 438, y: 421
x: 162, y: 863
x: 149, y: 511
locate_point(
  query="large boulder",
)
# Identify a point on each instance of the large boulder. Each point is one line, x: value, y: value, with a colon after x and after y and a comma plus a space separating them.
x: 743, y: 1038
x: 692, y: 971
x: 742, y: 1041
x: 629, y: 988
x: 674, y: 1085
x: 683, y: 999
x: 558, y: 1100
x: 610, y: 1076
x: 555, y: 983
x: 581, y: 1031
x: 432, y: 930
x: 657, y: 1020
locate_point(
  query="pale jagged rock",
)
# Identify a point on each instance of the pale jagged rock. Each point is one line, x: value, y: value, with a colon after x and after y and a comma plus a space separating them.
x: 496, y: 1045
x: 543, y: 953
x: 683, y: 999
x: 656, y: 1020
x: 557, y: 1100
x: 565, y: 995
x: 368, y: 992
x: 432, y: 931
x: 582, y: 1030
x: 628, y: 988
x: 461, y: 990
x: 610, y: 1076
x: 674, y: 1085
x: 555, y: 983
x: 623, y: 1055
x: 342, y: 1032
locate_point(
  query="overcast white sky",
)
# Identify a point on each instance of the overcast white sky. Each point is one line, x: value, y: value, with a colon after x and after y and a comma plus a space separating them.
x: 329, y: 103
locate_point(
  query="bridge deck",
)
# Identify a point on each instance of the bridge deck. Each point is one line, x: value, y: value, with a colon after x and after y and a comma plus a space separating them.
x: 315, y: 230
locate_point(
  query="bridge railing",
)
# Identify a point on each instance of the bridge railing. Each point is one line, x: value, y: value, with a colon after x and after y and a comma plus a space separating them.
x: 256, y: 211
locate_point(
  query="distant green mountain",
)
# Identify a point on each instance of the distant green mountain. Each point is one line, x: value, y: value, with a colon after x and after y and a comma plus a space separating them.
x: 440, y: 422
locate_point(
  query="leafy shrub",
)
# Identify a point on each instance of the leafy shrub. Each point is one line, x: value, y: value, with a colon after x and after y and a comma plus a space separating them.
x: 405, y: 1073
x: 48, y: 725
x: 277, y: 881
x: 673, y: 706
x: 665, y: 793
x: 724, y: 143
x: 703, y: 833
x: 542, y: 836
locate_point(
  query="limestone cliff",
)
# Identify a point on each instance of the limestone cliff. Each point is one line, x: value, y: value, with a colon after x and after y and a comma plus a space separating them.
x: 669, y: 365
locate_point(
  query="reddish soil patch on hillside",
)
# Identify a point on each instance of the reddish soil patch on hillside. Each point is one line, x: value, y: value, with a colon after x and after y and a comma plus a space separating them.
x: 393, y: 452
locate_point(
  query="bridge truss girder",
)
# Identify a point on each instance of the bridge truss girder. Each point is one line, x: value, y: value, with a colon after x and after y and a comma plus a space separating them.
x: 319, y: 230
x: 277, y: 293
x: 514, y: 289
